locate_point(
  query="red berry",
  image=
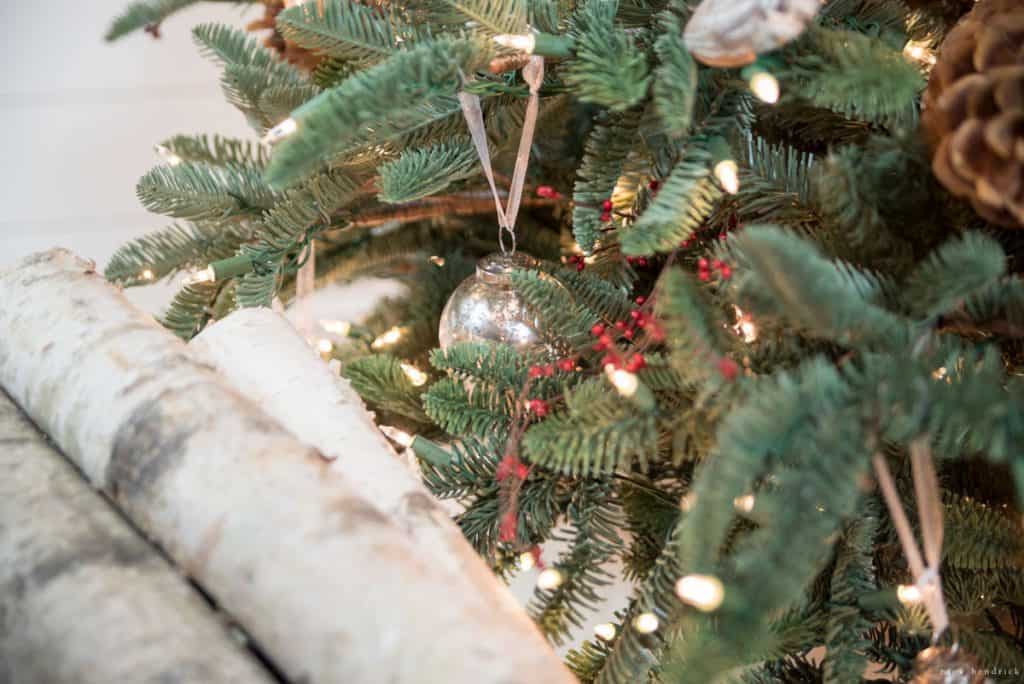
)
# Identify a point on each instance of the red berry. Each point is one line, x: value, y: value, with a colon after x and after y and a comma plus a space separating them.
x: 597, y: 330
x: 728, y: 368
x: 703, y: 264
x: 620, y: 325
x: 635, y: 314
x: 509, y: 466
x: 722, y: 236
x: 547, y: 192
x: 606, y: 217
x: 654, y: 185
x: 606, y: 205
x: 704, y: 276
x: 642, y: 321
x: 509, y: 526
x: 580, y: 265
x: 636, y: 363
x: 536, y: 371
x: 717, y: 263
x: 641, y: 300
x: 726, y: 271
x: 539, y: 406
x: 566, y: 365
x: 642, y: 262
x: 629, y: 334
x: 549, y: 370
x: 610, y: 360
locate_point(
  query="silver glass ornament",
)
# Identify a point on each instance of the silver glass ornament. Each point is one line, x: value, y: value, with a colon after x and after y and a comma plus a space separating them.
x: 947, y: 665
x: 486, y: 308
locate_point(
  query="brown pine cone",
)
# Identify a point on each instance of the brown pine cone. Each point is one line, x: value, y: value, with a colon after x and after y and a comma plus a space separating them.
x: 974, y: 111
x: 300, y: 57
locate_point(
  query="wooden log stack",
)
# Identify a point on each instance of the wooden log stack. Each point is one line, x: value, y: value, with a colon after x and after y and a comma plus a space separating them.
x: 329, y: 585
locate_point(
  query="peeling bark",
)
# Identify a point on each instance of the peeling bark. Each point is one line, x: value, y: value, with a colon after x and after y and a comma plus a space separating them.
x: 329, y: 586
x: 83, y: 598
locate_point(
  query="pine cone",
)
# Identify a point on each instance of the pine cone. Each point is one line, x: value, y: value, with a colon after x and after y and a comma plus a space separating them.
x: 974, y: 111
x: 300, y: 57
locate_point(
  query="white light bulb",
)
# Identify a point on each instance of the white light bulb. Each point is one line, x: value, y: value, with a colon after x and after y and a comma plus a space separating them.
x: 765, y: 87
x: 417, y: 377
x: 523, y: 43
x: 744, y: 504
x: 324, y: 346
x: 339, y: 328
x: 728, y: 174
x: 625, y: 382
x: 703, y: 592
x: 908, y: 593
x: 167, y: 155
x: 549, y: 578
x: 526, y: 561
x: 687, y: 502
x: 400, y: 437
x: 147, y: 274
x: 280, y: 131
x: 605, y: 631
x: 205, y: 275
x: 437, y: 261
x: 388, y: 338
x: 646, y: 623
x: 745, y: 326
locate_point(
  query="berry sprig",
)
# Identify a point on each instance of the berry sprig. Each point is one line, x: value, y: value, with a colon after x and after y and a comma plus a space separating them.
x: 704, y: 269
x: 548, y: 192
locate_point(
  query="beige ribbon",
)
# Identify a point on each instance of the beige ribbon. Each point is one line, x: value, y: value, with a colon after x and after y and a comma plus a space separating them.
x: 305, y: 283
x: 925, y: 570
x: 533, y: 74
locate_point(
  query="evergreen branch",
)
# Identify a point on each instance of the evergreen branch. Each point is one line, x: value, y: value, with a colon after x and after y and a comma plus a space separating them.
x: 480, y: 413
x: 776, y: 187
x: 980, y: 537
x: 693, y: 330
x: 420, y: 172
x: 681, y: 206
x: 381, y: 382
x: 200, y: 191
x: 599, y: 432
x: 604, y: 157
x: 493, y: 16
x: 675, y: 79
x: 959, y: 269
x: 565, y: 324
x: 499, y: 366
x: 391, y: 94
x: 173, y: 249
x: 469, y: 472
x: 781, y: 275
x: 608, y: 69
x: 217, y: 150
x: 345, y: 30
x: 148, y: 14
x: 603, y: 297
x: 191, y: 309
x: 857, y: 76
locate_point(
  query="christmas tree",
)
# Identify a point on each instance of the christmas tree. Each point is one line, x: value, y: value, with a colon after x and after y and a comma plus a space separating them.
x: 761, y: 279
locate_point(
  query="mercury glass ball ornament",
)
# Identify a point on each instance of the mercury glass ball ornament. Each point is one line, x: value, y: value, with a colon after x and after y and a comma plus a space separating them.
x: 947, y: 665
x: 486, y: 308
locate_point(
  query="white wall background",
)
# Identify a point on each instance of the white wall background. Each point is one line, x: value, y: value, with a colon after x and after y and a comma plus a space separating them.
x: 78, y: 122
x: 79, y: 119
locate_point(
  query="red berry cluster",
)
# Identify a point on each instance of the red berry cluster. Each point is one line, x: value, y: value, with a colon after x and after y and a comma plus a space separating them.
x: 548, y: 192
x: 579, y: 260
x: 654, y: 185
x: 540, y: 407
x: 566, y: 365
x: 729, y: 369
x: 641, y: 262
x: 606, y: 211
x: 704, y: 268
x: 511, y: 466
x: 626, y: 329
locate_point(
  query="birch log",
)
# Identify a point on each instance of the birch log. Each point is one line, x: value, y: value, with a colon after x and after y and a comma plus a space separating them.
x: 266, y: 359
x: 83, y: 598
x: 325, y: 582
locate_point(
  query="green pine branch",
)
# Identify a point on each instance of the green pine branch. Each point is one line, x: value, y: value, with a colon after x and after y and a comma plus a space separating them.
x: 381, y: 382
x: 421, y: 172
x: 198, y: 191
x: 346, y: 30
x: 173, y: 249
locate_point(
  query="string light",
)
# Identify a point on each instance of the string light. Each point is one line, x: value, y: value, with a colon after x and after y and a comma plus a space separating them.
x: 744, y: 504
x: 605, y: 631
x: 940, y: 373
x: 765, y: 87
x: 388, y: 338
x: 526, y: 561
x: 745, y: 326
x: 339, y: 328
x: 523, y: 43
x: 147, y: 275
x: 909, y: 594
x: 399, y: 437
x: 549, y: 578
x: 437, y: 260
x: 280, y: 131
x: 919, y: 52
x: 728, y: 174
x: 324, y: 346
x: 703, y: 592
x: 205, y: 275
x: 417, y: 377
x: 646, y: 623
x: 624, y: 381
x: 687, y: 502
x: 165, y: 153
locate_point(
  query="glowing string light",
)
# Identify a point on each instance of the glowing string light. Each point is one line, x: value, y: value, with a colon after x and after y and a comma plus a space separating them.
x: 625, y: 382
x: 147, y: 275
x: 728, y: 174
x: 339, y: 328
x: 280, y: 131
x: 703, y: 592
x: 526, y: 561
x: 399, y: 437
x: 909, y: 594
x: 646, y: 623
x: 324, y: 346
x: 417, y: 377
x: 165, y: 153
x: 388, y: 338
x: 744, y: 504
x: 523, y: 43
x: 765, y: 87
x: 549, y: 578
x: 605, y: 631
x: 205, y: 275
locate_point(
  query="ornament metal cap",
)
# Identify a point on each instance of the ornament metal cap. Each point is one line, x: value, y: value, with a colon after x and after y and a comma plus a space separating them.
x: 498, y: 268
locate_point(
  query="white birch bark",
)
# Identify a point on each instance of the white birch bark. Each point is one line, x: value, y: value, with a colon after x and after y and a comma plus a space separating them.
x: 329, y: 586
x: 83, y: 598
